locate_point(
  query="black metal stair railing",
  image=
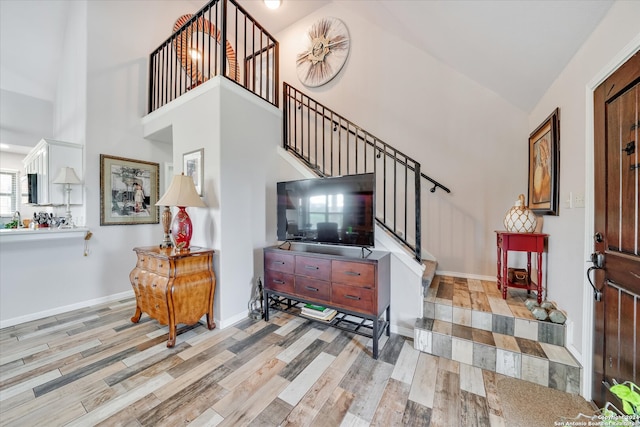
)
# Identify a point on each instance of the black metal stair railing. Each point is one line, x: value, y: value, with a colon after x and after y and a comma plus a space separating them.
x: 194, y: 54
x: 332, y: 145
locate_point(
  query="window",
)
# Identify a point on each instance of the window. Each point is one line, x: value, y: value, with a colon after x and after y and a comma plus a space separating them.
x: 8, y: 192
x: 326, y: 208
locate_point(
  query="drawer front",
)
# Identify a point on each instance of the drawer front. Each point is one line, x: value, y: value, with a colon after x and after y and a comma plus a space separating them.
x: 158, y: 265
x: 136, y: 277
x: 318, y: 268
x: 157, y: 308
x: 278, y: 281
x: 276, y: 261
x: 353, y: 273
x: 153, y: 264
x: 318, y: 290
x: 199, y: 263
x: 353, y: 298
x: 153, y: 283
x: 144, y: 262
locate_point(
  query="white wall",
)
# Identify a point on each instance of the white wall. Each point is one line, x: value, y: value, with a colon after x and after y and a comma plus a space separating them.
x: 24, y: 120
x: 11, y: 161
x: 70, y: 113
x: 464, y: 135
x: 571, y: 232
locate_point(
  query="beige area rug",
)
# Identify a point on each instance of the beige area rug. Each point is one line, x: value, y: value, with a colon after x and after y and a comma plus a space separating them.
x: 528, y: 404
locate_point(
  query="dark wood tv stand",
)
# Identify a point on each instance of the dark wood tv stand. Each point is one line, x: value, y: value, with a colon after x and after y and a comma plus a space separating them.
x: 357, y: 287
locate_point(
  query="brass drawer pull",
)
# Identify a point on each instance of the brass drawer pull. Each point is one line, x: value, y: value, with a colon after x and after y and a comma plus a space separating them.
x: 311, y: 267
x: 309, y: 288
x: 352, y: 297
x: 351, y: 273
x: 279, y: 282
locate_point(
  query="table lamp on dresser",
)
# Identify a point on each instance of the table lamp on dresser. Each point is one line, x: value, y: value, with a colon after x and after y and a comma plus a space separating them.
x: 181, y: 193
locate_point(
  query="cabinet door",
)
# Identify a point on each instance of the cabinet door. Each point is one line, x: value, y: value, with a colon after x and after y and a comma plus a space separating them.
x: 44, y: 170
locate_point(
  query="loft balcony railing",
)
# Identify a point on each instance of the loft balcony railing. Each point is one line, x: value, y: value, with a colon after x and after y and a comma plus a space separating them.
x: 332, y: 145
x: 221, y: 39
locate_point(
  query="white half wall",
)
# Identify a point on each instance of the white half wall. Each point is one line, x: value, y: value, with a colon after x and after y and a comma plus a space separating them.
x: 239, y: 134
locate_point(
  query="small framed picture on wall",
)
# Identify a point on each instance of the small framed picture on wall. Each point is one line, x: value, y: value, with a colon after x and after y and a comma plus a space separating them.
x: 192, y: 165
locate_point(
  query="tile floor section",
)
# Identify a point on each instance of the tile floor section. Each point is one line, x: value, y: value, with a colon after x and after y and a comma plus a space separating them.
x: 466, y: 320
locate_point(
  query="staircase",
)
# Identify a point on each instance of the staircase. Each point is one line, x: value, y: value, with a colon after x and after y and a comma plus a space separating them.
x: 468, y: 321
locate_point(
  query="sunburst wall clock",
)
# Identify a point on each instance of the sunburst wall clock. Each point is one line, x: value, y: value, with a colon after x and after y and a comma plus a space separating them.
x: 325, y: 53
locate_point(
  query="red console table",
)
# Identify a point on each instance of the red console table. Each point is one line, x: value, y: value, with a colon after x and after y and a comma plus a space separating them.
x: 521, y: 242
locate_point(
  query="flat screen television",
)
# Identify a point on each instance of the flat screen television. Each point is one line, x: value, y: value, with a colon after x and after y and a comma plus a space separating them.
x: 338, y: 210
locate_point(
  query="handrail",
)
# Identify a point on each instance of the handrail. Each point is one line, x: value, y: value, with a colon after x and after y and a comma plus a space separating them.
x: 435, y: 183
x: 314, y: 133
x: 221, y: 39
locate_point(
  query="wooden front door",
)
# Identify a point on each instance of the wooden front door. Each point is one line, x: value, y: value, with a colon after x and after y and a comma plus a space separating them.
x: 617, y: 230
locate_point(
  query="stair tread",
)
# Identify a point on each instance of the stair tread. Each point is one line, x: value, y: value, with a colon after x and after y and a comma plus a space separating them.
x: 429, y: 272
x: 478, y: 295
x: 553, y: 352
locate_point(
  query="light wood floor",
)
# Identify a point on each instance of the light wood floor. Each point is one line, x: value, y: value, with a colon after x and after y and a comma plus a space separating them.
x: 94, y: 367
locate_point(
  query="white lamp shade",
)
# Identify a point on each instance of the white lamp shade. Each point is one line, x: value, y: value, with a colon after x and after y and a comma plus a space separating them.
x: 67, y: 176
x: 181, y: 192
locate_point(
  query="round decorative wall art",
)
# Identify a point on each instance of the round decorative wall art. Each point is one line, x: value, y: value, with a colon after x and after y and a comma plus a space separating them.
x: 325, y: 53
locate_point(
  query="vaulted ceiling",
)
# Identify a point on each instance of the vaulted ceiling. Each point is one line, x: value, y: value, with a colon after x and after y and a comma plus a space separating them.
x: 514, y: 47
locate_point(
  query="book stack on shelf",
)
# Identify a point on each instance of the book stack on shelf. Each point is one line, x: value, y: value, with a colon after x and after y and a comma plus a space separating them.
x: 318, y: 312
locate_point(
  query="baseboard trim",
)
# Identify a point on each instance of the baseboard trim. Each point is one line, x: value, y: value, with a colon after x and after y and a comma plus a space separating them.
x: 64, y: 309
x: 222, y: 324
x: 465, y: 275
x: 401, y: 330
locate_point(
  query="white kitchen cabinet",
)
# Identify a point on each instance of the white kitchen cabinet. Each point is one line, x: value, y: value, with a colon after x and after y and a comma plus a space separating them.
x: 45, y: 160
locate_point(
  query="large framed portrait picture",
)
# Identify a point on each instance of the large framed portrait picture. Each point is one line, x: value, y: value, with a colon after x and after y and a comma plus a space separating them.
x: 544, y: 163
x: 128, y: 191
